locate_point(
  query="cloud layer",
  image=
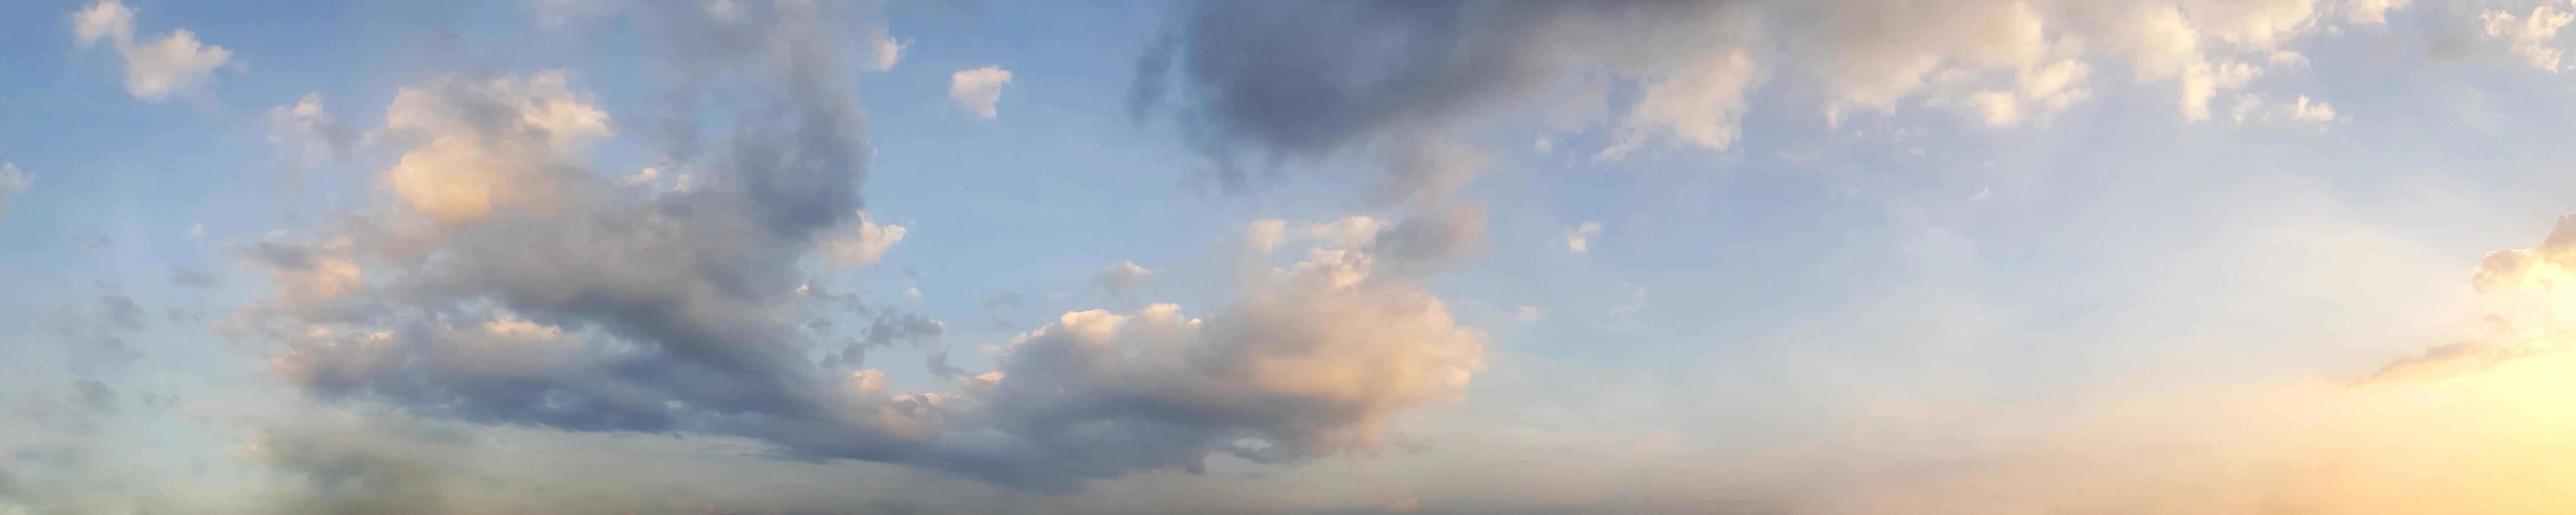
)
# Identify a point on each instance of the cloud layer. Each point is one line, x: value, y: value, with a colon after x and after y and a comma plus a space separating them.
x: 1263, y: 83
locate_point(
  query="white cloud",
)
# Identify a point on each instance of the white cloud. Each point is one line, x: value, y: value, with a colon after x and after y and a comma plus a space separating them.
x: 153, y: 69
x: 13, y: 182
x: 2529, y: 36
x: 978, y: 90
x: 1529, y: 314
x: 2371, y: 12
x: 861, y: 243
x: 1263, y: 236
x: 1699, y: 105
x: 462, y: 174
x: 884, y: 52
x: 1579, y: 238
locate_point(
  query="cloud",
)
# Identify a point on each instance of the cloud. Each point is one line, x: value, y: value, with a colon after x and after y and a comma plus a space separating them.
x: 1429, y: 243
x: 884, y: 52
x: 2543, y: 267
x: 2529, y: 36
x: 977, y: 90
x: 2371, y: 11
x: 1262, y: 84
x: 13, y: 182
x: 1527, y: 314
x: 1314, y: 363
x: 1122, y: 278
x: 1579, y: 238
x: 862, y: 243
x: 504, y: 283
x: 508, y: 284
x: 153, y: 69
x: 308, y: 130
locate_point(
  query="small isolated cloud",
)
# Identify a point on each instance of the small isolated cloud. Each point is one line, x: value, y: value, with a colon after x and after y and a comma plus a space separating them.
x: 861, y: 243
x: 977, y: 90
x: 1529, y: 314
x: 1579, y: 238
x: 1122, y: 277
x: 884, y: 52
x: 12, y: 182
x: 156, y: 68
x: 2529, y: 36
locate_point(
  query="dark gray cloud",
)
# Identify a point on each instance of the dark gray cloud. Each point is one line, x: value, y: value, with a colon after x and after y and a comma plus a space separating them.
x: 1257, y: 84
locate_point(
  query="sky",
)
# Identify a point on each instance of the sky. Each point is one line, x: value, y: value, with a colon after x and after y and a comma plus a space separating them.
x: 1439, y: 256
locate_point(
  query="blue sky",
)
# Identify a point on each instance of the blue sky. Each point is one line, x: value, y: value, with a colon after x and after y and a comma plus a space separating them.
x: 803, y: 256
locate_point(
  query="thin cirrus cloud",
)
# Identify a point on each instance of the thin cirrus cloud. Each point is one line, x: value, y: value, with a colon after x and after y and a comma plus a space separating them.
x: 154, y: 69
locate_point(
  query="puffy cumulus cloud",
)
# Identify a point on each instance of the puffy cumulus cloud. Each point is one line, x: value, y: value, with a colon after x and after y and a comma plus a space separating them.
x: 496, y: 144
x: 153, y: 69
x: 1298, y: 82
x: 2530, y: 36
x: 500, y: 282
x: 308, y: 130
x: 2543, y: 267
x: 978, y: 90
x: 1122, y: 278
x: 1315, y: 82
x: 2371, y: 11
x: 506, y: 283
x: 1312, y: 362
x: 13, y: 181
x: 862, y: 243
